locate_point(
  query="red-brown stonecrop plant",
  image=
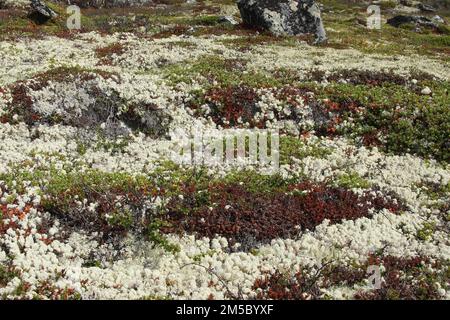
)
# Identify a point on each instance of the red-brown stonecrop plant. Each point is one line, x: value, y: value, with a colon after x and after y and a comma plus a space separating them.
x: 252, y: 218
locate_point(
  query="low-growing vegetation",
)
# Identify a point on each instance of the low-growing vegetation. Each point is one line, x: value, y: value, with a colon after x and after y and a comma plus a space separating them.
x: 107, y: 190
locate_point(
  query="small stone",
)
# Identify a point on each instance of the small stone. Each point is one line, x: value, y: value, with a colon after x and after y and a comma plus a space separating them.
x: 438, y: 19
x: 228, y: 20
x: 426, y: 91
x: 441, y: 292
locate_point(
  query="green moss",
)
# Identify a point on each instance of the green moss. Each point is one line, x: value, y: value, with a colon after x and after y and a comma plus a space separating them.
x: 97, y: 180
x: 214, y: 70
x: 92, y: 264
x: 260, y: 39
x: 352, y: 180
x: 205, y: 20
x: 81, y: 148
x: 123, y: 218
x: 112, y: 146
x: 160, y: 239
x: 199, y: 257
x: 292, y: 147
x: 427, y: 231
x: 447, y: 217
x: 392, y: 294
x: 257, y: 183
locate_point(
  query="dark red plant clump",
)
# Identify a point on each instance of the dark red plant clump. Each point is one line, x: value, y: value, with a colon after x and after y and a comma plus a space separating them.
x: 21, y: 104
x: 364, y: 77
x: 127, y: 216
x: 47, y: 289
x: 290, y: 94
x: 9, y: 217
x: 403, y: 278
x: 333, y: 113
x: 6, y: 213
x: 250, y: 219
x: 229, y: 104
x: 232, y: 103
x: 105, y: 54
x: 64, y: 74
x: 408, y: 279
x: 367, y: 77
x: 371, y: 139
x: 280, y: 287
x: 342, y: 275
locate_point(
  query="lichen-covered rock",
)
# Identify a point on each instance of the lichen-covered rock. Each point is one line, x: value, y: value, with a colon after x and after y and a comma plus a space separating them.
x: 422, y: 21
x: 42, y: 9
x: 280, y: 17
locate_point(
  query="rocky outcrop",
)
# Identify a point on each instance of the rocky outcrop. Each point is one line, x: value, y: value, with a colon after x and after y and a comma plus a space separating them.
x: 291, y: 17
x: 419, y: 21
x: 417, y: 4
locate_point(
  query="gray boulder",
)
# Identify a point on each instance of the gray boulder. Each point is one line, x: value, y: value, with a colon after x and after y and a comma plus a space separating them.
x: 283, y: 17
x: 40, y: 12
x: 41, y: 8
